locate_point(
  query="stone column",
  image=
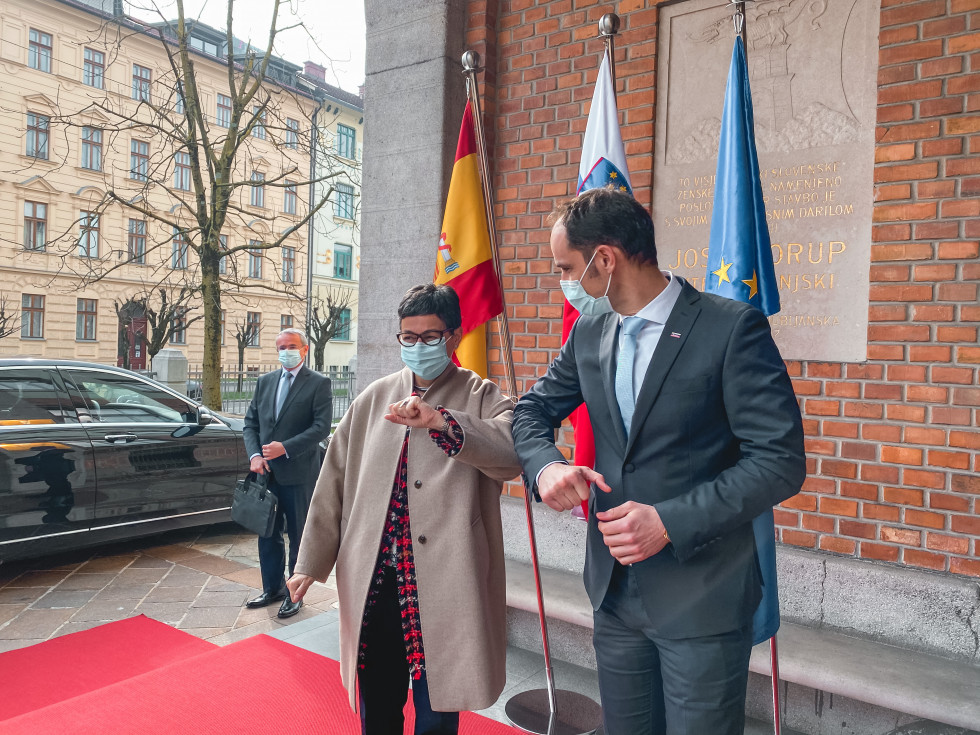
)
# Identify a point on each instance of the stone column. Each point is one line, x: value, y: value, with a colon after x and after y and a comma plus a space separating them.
x: 413, y: 103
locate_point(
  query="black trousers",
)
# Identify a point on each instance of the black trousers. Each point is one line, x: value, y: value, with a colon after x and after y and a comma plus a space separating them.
x: 650, y: 685
x: 383, y: 682
x: 290, y: 517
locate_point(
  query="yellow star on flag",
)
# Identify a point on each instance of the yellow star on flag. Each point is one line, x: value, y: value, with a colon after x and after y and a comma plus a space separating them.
x: 722, y: 272
x: 612, y: 174
x: 753, y: 285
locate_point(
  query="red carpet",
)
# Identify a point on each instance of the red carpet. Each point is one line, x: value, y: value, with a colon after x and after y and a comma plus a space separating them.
x: 258, y: 685
x: 49, y: 672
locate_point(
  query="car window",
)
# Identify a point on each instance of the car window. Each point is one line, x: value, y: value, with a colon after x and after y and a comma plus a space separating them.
x: 112, y: 398
x: 29, y: 397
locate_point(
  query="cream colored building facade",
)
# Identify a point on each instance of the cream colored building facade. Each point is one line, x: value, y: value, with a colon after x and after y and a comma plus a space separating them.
x: 336, y: 242
x: 57, y: 62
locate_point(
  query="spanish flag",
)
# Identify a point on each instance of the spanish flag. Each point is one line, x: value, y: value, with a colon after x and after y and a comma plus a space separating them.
x: 465, y: 258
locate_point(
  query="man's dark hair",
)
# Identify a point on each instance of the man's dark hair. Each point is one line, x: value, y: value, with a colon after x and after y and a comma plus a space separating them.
x: 607, y: 217
x: 432, y: 299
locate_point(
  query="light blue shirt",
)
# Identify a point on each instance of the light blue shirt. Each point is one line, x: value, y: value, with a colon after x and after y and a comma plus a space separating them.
x: 655, y: 315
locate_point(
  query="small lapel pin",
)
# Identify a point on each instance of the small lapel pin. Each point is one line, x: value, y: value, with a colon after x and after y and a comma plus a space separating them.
x: 675, y: 335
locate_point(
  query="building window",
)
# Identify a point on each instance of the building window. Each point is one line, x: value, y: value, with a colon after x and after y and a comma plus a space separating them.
x: 178, y: 255
x: 35, y: 225
x: 139, y: 160
x: 289, y: 265
x: 137, y: 241
x: 31, y: 316
x: 93, y: 71
x: 258, y: 130
x: 292, y: 133
x: 88, y: 239
x: 179, y: 104
x: 223, y: 118
x: 39, y: 51
x: 253, y: 326
x: 290, y: 198
x: 254, y: 260
x: 141, y: 83
x: 179, y: 335
x: 346, y: 141
x: 257, y: 198
x: 343, y: 325
x: 222, y: 326
x: 182, y: 171
x: 91, y: 148
x: 343, y: 257
x: 344, y: 203
x: 85, y: 320
x: 37, y: 135
x: 285, y: 322
x: 206, y: 46
x: 223, y: 260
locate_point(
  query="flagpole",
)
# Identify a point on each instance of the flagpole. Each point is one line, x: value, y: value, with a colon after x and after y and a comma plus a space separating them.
x: 741, y: 29
x: 471, y: 65
x: 547, y: 711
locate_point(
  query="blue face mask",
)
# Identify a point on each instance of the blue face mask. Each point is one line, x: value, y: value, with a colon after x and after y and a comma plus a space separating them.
x: 290, y: 358
x: 577, y: 296
x: 426, y: 361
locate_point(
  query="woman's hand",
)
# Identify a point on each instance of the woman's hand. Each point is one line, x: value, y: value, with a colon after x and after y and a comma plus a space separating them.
x: 297, y: 586
x: 415, y: 412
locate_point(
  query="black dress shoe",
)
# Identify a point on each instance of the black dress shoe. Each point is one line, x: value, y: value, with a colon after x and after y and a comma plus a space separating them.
x: 266, y: 598
x: 289, y: 608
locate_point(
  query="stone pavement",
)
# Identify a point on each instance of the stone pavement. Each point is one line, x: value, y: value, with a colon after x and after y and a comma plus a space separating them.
x: 196, y: 580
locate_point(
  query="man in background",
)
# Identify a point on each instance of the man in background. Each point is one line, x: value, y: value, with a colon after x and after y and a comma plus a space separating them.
x: 290, y: 414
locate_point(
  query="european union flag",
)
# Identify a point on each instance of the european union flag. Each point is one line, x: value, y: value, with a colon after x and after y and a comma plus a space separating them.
x: 740, y: 268
x: 739, y: 251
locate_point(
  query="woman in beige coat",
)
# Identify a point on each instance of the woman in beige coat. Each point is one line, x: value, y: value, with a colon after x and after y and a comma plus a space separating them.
x: 407, y: 507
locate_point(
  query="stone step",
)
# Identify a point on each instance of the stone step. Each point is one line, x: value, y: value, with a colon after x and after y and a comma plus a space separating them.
x: 901, y: 680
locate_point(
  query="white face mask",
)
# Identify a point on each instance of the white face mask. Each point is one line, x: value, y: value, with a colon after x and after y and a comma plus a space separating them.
x: 577, y: 296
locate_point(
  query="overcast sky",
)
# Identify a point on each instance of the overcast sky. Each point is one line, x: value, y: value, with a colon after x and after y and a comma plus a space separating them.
x: 335, y: 38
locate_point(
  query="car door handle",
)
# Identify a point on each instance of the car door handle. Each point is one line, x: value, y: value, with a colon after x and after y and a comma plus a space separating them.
x: 125, y: 438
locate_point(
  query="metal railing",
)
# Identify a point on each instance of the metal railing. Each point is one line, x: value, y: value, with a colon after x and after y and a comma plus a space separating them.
x: 238, y: 387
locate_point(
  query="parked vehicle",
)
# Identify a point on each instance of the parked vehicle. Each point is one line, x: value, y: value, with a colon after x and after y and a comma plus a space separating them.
x: 91, y: 453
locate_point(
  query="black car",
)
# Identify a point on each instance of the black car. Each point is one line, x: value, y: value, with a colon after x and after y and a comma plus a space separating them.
x: 91, y: 453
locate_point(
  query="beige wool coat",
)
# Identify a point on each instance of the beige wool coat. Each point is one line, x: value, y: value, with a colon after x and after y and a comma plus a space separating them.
x: 454, y: 503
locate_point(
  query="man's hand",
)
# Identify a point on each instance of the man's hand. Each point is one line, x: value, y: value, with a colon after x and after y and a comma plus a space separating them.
x: 632, y: 531
x: 297, y: 586
x: 564, y: 487
x: 258, y: 465
x: 273, y: 450
x: 415, y: 412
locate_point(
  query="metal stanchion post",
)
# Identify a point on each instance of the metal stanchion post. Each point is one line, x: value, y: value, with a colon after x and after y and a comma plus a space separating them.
x: 547, y: 711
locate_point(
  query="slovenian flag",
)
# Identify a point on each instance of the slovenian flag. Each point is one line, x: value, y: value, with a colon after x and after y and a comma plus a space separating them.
x: 603, y: 164
x: 464, y: 260
x: 603, y: 156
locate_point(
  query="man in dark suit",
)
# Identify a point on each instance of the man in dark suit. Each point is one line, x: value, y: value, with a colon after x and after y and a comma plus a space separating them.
x: 697, y: 432
x: 290, y: 414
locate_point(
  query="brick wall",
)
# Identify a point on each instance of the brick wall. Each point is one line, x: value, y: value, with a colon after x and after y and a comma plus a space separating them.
x: 892, y: 444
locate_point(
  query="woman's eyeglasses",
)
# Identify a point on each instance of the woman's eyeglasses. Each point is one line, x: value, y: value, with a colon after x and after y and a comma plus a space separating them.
x: 432, y: 337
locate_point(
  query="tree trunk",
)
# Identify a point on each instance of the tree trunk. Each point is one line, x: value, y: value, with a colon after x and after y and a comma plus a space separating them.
x: 211, y: 298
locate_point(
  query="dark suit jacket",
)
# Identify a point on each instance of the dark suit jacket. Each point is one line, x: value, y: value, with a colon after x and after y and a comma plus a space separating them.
x: 716, y: 439
x: 303, y: 423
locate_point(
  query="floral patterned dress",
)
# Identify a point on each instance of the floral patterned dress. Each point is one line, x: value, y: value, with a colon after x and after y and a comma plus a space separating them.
x: 396, y: 550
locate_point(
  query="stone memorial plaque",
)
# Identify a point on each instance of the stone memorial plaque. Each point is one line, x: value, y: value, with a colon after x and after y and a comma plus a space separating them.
x: 813, y: 72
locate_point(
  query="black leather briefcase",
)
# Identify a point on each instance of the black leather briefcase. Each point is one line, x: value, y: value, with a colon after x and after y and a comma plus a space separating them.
x: 254, y: 505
